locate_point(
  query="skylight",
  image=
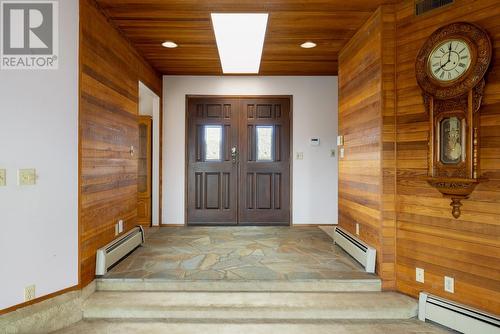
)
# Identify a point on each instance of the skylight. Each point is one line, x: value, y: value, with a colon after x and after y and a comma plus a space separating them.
x: 240, y: 40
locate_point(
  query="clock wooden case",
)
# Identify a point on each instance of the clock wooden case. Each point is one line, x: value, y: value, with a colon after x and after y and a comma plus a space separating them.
x: 450, y: 70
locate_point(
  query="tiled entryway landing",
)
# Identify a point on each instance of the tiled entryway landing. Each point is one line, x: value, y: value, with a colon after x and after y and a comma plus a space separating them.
x: 238, y: 253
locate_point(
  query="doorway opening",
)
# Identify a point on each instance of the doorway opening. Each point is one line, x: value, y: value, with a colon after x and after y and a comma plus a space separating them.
x: 148, y: 155
x: 238, y: 160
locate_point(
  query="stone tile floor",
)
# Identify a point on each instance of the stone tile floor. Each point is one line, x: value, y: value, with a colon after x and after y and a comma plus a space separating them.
x: 238, y: 253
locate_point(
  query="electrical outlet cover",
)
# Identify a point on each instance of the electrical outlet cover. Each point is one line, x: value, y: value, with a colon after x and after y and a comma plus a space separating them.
x: 449, y: 284
x: 419, y: 275
x: 3, y: 177
x: 29, y: 293
x: 300, y: 155
x: 27, y: 177
x: 120, y: 226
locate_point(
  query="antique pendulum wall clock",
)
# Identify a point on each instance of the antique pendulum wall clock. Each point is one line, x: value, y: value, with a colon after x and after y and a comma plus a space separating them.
x: 450, y: 70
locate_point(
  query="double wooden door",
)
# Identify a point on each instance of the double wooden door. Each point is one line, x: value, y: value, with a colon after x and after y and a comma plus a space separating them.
x: 238, y: 161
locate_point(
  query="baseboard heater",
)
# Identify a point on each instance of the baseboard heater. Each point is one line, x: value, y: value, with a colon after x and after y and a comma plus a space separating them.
x: 456, y: 316
x: 117, y: 249
x: 359, y: 250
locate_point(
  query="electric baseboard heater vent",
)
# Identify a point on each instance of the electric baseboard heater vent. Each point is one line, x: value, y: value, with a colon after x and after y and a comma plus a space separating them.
x: 117, y: 249
x: 456, y: 316
x: 359, y: 250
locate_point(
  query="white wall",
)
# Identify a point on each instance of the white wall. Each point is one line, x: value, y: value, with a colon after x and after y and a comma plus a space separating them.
x: 314, y: 115
x: 39, y: 129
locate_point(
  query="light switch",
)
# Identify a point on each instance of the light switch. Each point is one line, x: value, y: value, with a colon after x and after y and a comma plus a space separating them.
x: 26, y: 177
x: 300, y: 155
x: 3, y: 175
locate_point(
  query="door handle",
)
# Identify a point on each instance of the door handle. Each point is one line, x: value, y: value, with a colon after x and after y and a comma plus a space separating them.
x: 234, y: 155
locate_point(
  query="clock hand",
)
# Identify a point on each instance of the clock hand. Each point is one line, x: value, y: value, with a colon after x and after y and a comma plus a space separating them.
x: 449, y: 53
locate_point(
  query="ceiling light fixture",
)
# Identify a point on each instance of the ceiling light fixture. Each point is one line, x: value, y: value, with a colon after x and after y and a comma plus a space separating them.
x: 308, y: 45
x: 240, y: 40
x: 169, y: 44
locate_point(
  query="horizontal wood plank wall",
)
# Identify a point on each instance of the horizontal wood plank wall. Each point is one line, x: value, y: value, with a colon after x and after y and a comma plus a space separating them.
x: 468, y: 248
x: 388, y: 163
x: 109, y: 73
x: 366, y: 120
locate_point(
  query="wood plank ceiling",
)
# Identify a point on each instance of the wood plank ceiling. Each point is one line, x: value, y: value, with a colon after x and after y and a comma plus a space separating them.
x: 329, y: 23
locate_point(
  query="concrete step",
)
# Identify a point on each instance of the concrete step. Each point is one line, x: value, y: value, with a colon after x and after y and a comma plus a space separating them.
x: 249, y: 305
x: 311, y: 285
x: 318, y: 327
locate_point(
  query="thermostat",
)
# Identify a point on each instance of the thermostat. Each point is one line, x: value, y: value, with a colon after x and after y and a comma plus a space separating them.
x: 314, y: 141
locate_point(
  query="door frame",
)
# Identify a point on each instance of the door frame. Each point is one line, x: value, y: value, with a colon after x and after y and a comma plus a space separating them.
x: 156, y: 154
x: 186, y: 143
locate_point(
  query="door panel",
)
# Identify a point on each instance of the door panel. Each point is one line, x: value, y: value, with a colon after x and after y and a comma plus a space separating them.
x: 265, y: 161
x: 251, y: 184
x: 144, y: 172
x: 212, y: 175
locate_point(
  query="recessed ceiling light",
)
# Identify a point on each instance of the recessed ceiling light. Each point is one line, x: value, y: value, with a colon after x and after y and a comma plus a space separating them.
x: 308, y: 45
x: 169, y: 44
x: 240, y: 40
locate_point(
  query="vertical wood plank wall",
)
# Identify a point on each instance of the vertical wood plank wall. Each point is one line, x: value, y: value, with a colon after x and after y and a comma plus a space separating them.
x: 367, y: 120
x: 426, y: 235
x: 467, y: 249
x: 110, y: 70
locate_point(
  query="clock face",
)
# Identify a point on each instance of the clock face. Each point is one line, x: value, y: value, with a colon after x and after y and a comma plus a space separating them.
x: 449, y: 60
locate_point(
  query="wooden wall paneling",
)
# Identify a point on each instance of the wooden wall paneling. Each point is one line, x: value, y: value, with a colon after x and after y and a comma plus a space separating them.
x: 388, y: 146
x: 109, y: 73
x: 467, y: 248
x: 367, y: 122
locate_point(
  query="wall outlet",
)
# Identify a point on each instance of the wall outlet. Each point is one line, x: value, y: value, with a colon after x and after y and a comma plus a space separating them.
x: 26, y: 177
x: 120, y: 226
x: 419, y: 275
x: 29, y: 293
x: 3, y: 177
x: 357, y: 228
x: 449, y: 284
x: 300, y: 156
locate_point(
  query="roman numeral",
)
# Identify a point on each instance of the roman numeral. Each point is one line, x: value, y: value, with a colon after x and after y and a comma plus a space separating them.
x: 461, y: 65
x: 441, y: 49
x: 437, y: 71
x: 442, y: 75
x: 436, y: 64
x: 461, y: 51
x: 449, y: 75
x: 464, y: 57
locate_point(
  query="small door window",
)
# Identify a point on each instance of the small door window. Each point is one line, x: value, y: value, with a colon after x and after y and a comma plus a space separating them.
x: 265, y: 135
x: 213, y: 142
